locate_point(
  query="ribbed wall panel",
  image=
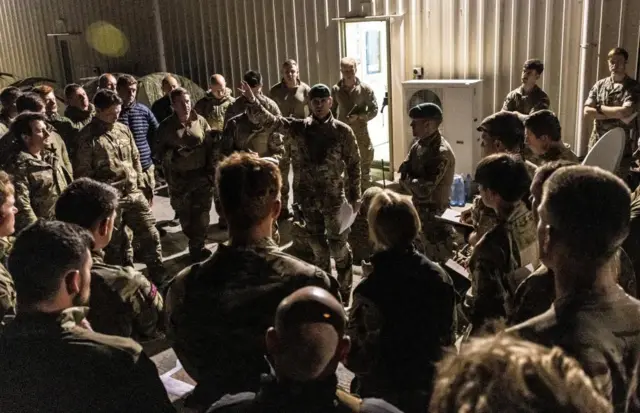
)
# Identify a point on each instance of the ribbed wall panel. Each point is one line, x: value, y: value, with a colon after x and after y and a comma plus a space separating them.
x: 488, y: 39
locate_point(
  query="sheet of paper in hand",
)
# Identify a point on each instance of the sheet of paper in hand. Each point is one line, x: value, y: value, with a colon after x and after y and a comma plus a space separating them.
x: 346, y: 216
x: 452, y: 217
x: 607, y: 152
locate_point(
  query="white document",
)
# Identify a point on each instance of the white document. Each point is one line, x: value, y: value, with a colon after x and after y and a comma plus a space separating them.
x: 173, y: 386
x: 346, y: 216
x: 451, y: 215
x: 458, y: 268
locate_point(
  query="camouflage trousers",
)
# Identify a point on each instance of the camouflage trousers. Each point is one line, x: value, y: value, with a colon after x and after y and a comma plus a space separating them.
x: 366, y: 154
x: 359, y: 239
x: 323, y: 227
x: 134, y: 212
x: 436, y: 240
x: 285, y: 167
x: 149, y: 181
x: 218, y: 207
x: 191, y: 199
x: 301, y: 242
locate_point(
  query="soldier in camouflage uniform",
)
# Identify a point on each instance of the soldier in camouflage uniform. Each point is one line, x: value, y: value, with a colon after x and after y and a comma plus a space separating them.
x: 254, y: 80
x: 10, y: 147
x: 322, y: 149
x: 79, y: 111
x: 528, y: 98
x: 502, y: 132
x: 543, y: 136
x: 613, y: 103
x: 61, y: 124
x: 213, y: 107
x: 107, y: 153
x: 50, y: 347
x: 355, y: 104
x: 8, y: 98
x: 123, y: 302
x: 497, y: 262
x: 292, y: 97
x: 189, y: 155
x: 39, y: 176
x: 219, y: 310
x: 427, y: 175
x: 7, y: 228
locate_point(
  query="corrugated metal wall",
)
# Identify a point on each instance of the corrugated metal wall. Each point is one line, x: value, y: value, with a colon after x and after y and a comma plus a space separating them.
x: 486, y: 39
x: 25, y: 49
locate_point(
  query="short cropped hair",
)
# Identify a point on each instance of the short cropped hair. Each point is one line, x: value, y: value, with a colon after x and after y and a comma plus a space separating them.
x: 348, y: 61
x: 31, y: 102
x: 618, y: 51
x: 504, y: 174
x: 86, y: 203
x: 544, y: 171
x: 534, y: 64
x: 9, y: 95
x: 103, y: 80
x: 106, y: 98
x: 253, y: 78
x: 503, y: 374
x: 289, y: 63
x: 544, y: 122
x: 22, y: 124
x: 126, y: 80
x: 247, y: 186
x: 177, y: 92
x: 71, y: 90
x: 589, y: 210
x: 6, y: 187
x: 42, y: 90
x: 393, y: 220
x: 42, y: 255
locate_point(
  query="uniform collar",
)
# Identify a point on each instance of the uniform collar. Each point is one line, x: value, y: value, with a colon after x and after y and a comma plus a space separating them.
x: 266, y: 243
x: 97, y: 256
x: 283, y: 84
x: 431, y: 139
x: 74, y: 113
x: 66, y: 319
x: 287, y: 393
x: 341, y: 83
x: 99, y: 127
x: 318, y: 121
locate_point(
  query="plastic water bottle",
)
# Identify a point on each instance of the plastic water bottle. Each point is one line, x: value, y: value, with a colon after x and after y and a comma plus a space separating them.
x: 460, y: 198
x: 453, y: 201
x: 467, y: 187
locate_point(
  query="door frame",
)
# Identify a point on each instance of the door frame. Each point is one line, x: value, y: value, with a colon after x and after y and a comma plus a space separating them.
x: 388, y: 169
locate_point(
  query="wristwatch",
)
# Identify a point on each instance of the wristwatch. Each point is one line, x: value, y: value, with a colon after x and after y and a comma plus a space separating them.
x: 599, y: 108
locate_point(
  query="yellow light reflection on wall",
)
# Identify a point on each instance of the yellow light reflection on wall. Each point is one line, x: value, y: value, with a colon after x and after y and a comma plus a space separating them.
x: 107, y: 39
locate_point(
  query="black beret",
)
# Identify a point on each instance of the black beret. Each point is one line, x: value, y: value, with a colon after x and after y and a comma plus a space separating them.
x: 319, y: 91
x: 502, y: 123
x: 426, y: 111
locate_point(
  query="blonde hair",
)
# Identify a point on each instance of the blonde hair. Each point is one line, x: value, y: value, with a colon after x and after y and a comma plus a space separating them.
x: 504, y: 374
x: 348, y: 61
x: 6, y: 187
x: 393, y: 220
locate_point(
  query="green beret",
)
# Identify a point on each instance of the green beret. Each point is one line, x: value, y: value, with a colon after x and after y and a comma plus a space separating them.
x: 319, y: 91
x: 426, y: 111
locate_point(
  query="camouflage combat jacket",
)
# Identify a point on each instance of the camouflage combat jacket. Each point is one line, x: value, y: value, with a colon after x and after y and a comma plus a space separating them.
x: 526, y: 103
x: 214, y: 109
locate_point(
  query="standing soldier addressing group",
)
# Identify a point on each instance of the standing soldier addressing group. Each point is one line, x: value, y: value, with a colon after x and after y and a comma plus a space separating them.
x: 427, y: 175
x: 613, y: 103
x: 323, y: 149
x: 189, y: 158
x: 107, y: 153
x: 355, y: 104
x: 292, y: 97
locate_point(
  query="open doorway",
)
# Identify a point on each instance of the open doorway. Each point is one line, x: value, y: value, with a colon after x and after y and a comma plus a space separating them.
x: 367, y: 41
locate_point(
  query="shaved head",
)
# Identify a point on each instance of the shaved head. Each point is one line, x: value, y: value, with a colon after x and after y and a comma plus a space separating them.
x: 308, y: 340
x: 218, y: 80
x: 169, y: 83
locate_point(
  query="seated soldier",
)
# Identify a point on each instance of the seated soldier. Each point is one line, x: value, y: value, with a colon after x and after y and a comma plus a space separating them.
x: 501, y: 255
x: 536, y: 293
x: 219, y: 309
x: 123, y: 302
x: 51, y: 360
x: 304, y: 346
x: 403, y: 313
x: 502, y: 132
x: 584, y: 218
x: 503, y: 374
x: 543, y: 136
x: 7, y: 227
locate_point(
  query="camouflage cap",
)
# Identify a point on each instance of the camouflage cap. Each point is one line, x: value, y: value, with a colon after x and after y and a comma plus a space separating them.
x: 503, y: 123
x: 310, y: 305
x: 320, y: 91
